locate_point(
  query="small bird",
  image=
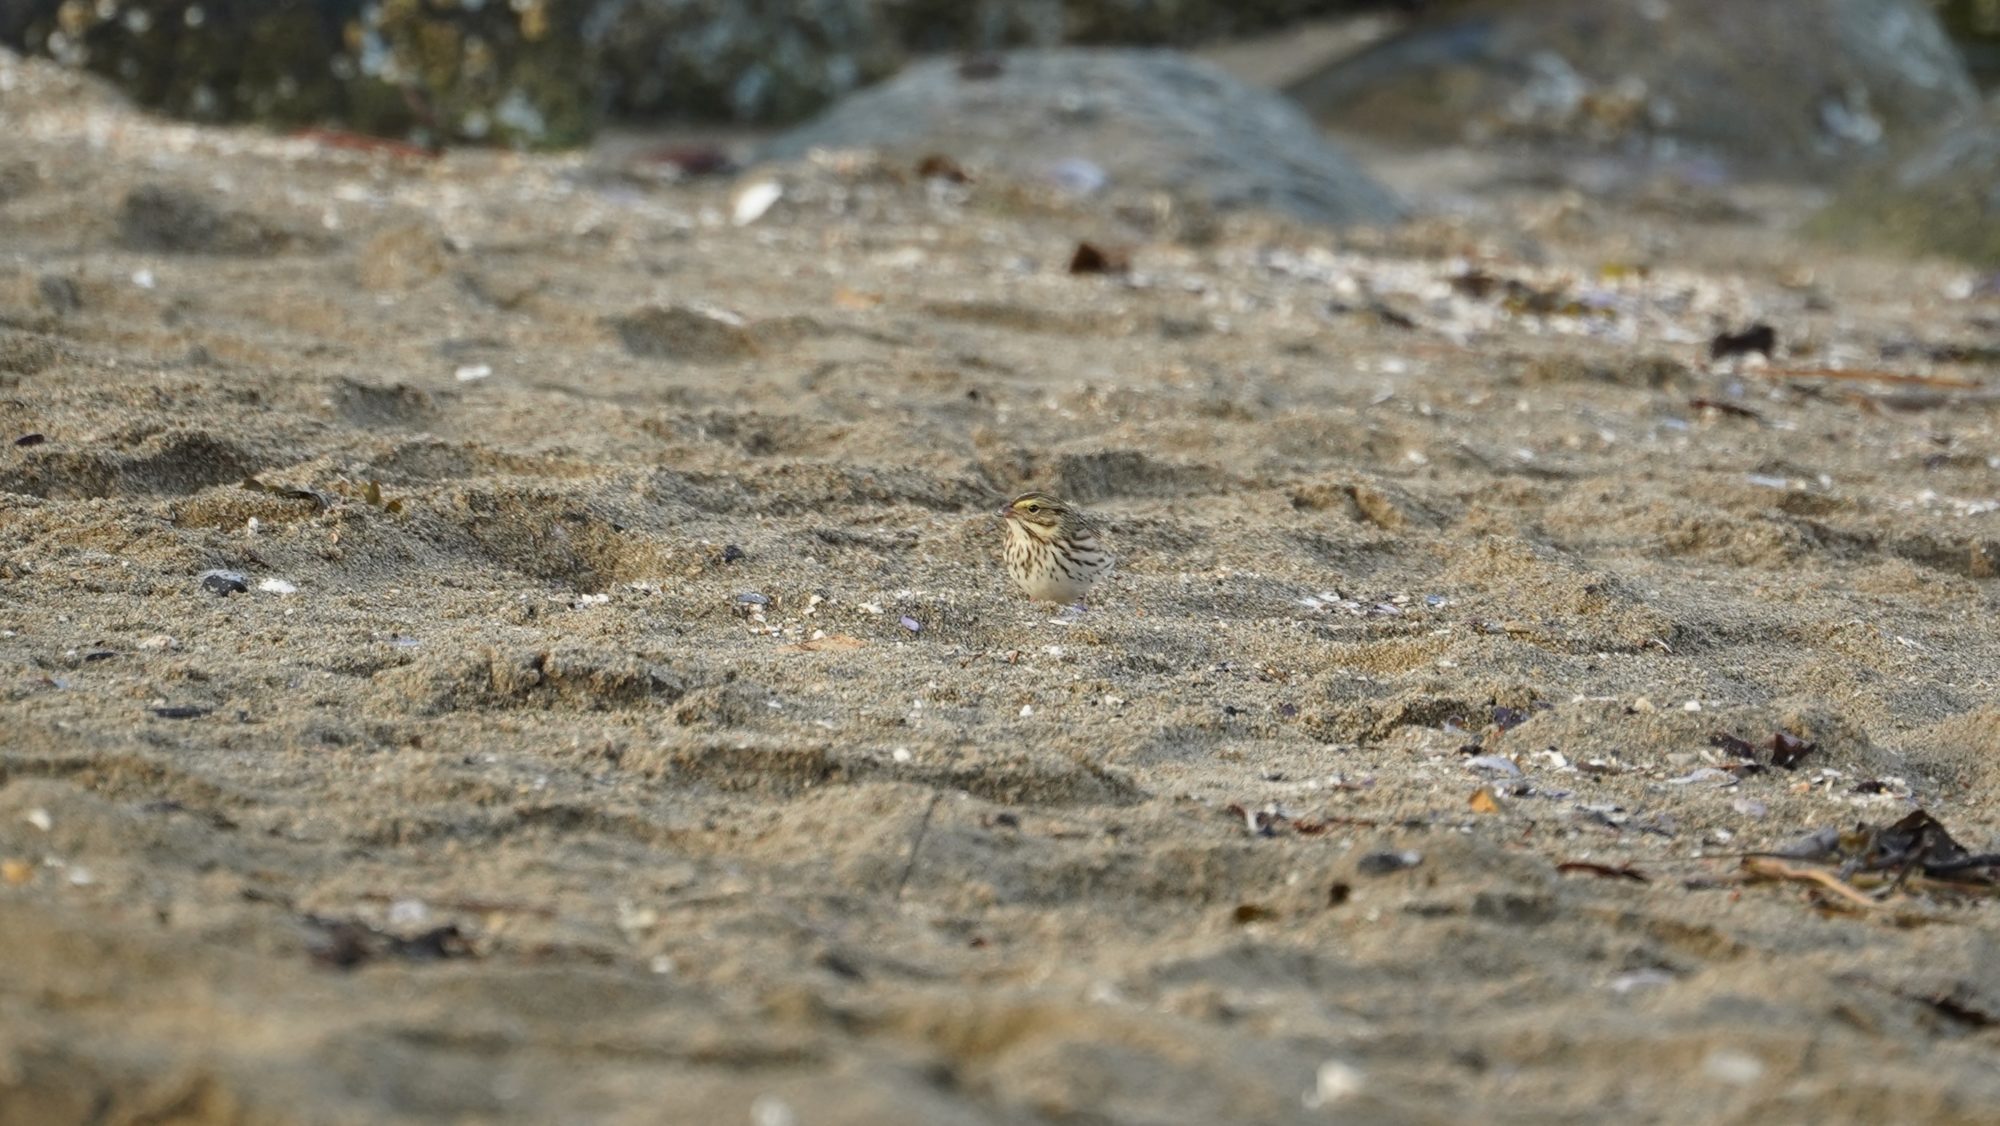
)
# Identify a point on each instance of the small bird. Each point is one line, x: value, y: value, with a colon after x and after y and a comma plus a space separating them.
x: 1052, y: 549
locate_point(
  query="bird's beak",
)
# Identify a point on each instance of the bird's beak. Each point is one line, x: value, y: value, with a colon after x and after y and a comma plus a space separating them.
x: 1005, y: 511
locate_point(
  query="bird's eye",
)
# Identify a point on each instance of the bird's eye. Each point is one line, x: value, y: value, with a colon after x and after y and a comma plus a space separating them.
x: 1034, y: 508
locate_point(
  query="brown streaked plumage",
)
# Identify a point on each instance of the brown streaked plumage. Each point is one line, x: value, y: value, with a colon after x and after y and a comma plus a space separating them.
x: 1052, y: 550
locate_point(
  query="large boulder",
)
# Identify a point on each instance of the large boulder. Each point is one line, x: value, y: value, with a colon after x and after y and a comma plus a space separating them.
x: 1133, y: 118
x: 1941, y: 199
x: 1773, y: 86
x: 514, y: 73
x: 746, y: 60
x: 1975, y: 26
x: 540, y: 72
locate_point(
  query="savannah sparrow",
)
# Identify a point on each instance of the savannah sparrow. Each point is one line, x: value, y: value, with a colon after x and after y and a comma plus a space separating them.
x: 1052, y: 550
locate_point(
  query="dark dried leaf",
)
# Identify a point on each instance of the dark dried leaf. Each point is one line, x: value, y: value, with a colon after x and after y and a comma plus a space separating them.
x: 1608, y: 871
x: 31, y: 439
x: 224, y: 583
x: 341, y: 945
x: 694, y: 160
x: 1252, y: 913
x: 731, y: 553
x: 937, y: 166
x: 1921, y: 837
x: 1394, y: 318
x: 1741, y: 748
x: 1760, y: 338
x: 1475, y: 283
x: 347, y: 943
x: 181, y: 711
x: 1787, y: 749
x: 1730, y: 409
x: 1961, y: 1005
x: 1090, y: 258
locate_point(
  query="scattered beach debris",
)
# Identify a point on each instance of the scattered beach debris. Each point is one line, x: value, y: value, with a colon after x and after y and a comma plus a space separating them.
x: 1785, y: 750
x: 348, y: 943
x: 1872, y: 868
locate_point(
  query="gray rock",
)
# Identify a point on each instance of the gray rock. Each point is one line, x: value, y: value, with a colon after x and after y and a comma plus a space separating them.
x: 1146, y: 119
x: 1943, y: 198
x: 540, y: 73
x: 1775, y: 85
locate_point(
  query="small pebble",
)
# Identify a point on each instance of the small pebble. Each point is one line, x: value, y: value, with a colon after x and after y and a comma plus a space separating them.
x: 1729, y: 1066
x: 770, y: 1110
x: 1336, y: 1081
x: 16, y: 873
x: 40, y: 819
x: 1383, y: 863
x: 753, y: 200
x: 1640, y: 979
x: 731, y: 553
x: 752, y: 598
x: 277, y: 586
x: 471, y: 373
x: 911, y: 624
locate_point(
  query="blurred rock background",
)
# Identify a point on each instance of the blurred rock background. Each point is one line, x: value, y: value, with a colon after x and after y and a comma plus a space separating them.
x: 1882, y: 95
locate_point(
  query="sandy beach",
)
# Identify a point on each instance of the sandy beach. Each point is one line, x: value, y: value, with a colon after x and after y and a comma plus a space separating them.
x: 499, y: 638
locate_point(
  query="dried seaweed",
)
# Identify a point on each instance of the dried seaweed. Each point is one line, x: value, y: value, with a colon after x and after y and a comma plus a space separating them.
x: 1607, y: 871
x: 1872, y: 866
x: 348, y: 943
